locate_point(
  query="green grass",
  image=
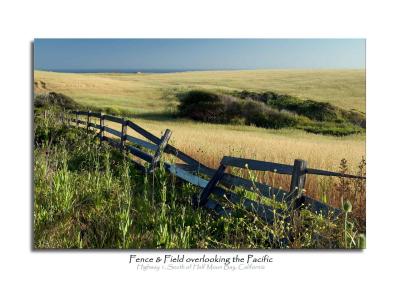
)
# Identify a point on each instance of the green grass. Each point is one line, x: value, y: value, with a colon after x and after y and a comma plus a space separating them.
x: 88, y: 195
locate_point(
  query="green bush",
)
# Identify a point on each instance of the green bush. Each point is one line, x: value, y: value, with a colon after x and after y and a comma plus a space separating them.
x: 270, y: 110
x: 211, y: 107
x: 201, y: 106
x: 53, y: 99
x: 318, y: 111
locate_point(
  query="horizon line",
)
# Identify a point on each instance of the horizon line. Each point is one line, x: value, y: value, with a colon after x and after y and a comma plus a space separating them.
x: 167, y: 70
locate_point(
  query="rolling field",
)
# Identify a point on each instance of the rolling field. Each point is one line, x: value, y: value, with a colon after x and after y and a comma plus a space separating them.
x: 150, y: 93
x: 152, y: 96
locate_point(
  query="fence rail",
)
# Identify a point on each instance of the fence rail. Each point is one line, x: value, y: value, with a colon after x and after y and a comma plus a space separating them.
x: 220, y: 183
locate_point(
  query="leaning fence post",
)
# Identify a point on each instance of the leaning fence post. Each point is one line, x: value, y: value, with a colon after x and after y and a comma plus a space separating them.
x: 163, y: 143
x: 298, y: 182
x: 202, y: 198
x: 101, y: 126
x: 88, y: 122
x: 123, y: 133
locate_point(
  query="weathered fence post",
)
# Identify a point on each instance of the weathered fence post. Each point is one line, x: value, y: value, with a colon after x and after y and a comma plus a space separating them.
x: 76, y: 118
x: 101, y: 127
x: 298, y: 182
x: 123, y: 133
x: 163, y: 143
x: 88, y: 122
x: 205, y: 193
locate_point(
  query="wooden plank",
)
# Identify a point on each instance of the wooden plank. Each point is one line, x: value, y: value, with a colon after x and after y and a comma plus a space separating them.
x: 111, y: 141
x: 205, y: 193
x: 331, y: 173
x: 139, y: 153
x: 81, y: 122
x: 95, y: 114
x: 231, y: 181
x: 217, y: 208
x: 81, y: 113
x: 142, y: 143
x: 265, y: 212
x: 96, y: 126
x: 257, y: 165
x: 186, y: 176
x: 319, y: 207
x: 196, y: 166
x: 172, y: 150
x: 143, y: 132
x: 112, y: 131
x: 157, y: 156
x: 113, y: 119
x: 298, y: 182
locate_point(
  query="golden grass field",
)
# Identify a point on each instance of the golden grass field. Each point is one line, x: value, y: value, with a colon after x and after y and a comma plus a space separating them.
x: 210, y: 142
x: 154, y: 93
x: 141, y: 93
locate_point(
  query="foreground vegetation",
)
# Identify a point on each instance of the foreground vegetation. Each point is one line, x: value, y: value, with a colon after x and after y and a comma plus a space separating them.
x: 88, y: 195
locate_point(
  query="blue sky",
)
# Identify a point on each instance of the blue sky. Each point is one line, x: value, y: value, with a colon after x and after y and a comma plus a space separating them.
x: 197, y: 54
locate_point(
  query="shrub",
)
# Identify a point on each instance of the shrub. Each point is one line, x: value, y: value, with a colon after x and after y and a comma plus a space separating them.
x: 263, y: 116
x: 318, y: 111
x: 270, y: 110
x: 201, y: 105
x: 54, y: 99
x: 210, y: 107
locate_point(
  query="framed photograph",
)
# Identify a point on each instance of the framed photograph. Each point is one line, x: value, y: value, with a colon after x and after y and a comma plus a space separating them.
x: 199, y: 144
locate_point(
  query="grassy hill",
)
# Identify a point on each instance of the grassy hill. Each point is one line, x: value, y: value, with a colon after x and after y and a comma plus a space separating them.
x: 155, y: 93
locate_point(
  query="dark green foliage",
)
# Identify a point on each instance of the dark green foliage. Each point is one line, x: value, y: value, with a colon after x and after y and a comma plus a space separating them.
x: 210, y: 107
x: 318, y: 111
x: 263, y: 116
x: 202, y: 106
x: 60, y: 101
x: 53, y: 99
x: 270, y: 110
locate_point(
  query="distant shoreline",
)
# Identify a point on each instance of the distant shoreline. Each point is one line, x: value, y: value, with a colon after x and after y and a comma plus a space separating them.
x: 117, y: 71
x: 168, y: 71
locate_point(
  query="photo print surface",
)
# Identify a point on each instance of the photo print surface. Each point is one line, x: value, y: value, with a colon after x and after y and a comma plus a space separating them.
x: 199, y: 144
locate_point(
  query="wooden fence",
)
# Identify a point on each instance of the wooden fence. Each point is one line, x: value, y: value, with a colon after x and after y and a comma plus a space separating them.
x: 210, y: 181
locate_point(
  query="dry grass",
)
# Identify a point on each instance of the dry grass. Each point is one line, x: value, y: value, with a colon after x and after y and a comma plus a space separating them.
x: 210, y: 142
x: 141, y: 93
